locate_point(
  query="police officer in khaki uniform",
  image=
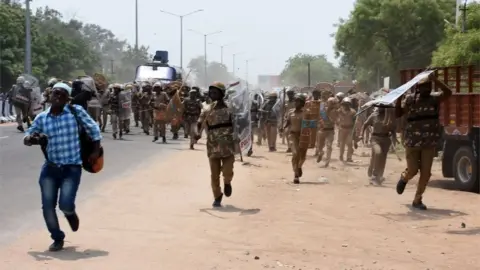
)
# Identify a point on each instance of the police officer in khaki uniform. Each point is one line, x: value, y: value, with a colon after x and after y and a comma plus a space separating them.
x: 421, y: 134
x: 383, y: 124
x: 270, y: 118
x: 326, y: 131
x: 294, y: 126
x: 218, y: 119
x: 346, y: 121
x: 289, y: 105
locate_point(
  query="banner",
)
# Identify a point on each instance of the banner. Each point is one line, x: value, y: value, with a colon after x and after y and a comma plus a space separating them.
x: 240, y: 103
x: 392, y: 96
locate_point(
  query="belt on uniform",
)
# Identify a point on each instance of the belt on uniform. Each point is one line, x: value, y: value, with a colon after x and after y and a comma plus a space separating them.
x: 381, y: 134
x: 222, y: 125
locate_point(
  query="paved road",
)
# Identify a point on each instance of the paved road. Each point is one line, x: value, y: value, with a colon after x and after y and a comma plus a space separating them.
x: 19, y: 169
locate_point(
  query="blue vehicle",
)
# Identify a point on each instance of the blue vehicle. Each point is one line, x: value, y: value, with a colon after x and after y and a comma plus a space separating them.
x: 158, y: 70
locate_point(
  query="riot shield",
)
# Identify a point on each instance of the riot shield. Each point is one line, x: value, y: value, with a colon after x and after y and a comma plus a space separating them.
x: 125, y: 100
x: 240, y: 104
x: 279, y: 104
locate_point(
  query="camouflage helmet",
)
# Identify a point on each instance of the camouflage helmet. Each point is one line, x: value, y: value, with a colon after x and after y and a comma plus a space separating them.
x: 157, y: 84
x: 128, y: 86
x: 116, y: 86
x: 273, y: 94
x: 327, y: 93
x: 347, y: 100
x: 218, y: 85
x: 20, y: 79
x: 300, y: 97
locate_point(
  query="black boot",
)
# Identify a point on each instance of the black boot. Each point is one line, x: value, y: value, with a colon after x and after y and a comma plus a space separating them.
x: 401, y: 184
x: 218, y: 201
x: 57, y: 245
x: 419, y: 205
x: 155, y: 139
x: 164, y: 139
x: 227, y: 189
x: 175, y: 136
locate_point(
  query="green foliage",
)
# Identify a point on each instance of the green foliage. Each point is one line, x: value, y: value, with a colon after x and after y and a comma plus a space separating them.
x: 296, y: 70
x: 215, y: 71
x: 461, y: 48
x: 62, y: 49
x: 381, y: 37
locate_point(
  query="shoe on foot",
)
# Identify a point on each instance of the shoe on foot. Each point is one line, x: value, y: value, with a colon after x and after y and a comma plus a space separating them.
x: 419, y: 205
x: 155, y: 139
x: 57, y: 245
x: 401, y: 184
x: 218, y: 201
x: 296, y: 180
x: 319, y: 158
x: 114, y: 135
x: 164, y: 140
x: 289, y: 150
x: 21, y: 129
x: 191, y: 147
x: 227, y: 190
x: 73, y: 221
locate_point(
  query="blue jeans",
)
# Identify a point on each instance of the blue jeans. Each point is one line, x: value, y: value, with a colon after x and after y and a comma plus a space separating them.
x: 53, y: 179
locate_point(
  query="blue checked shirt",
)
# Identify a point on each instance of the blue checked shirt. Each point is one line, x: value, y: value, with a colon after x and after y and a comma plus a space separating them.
x: 62, y: 133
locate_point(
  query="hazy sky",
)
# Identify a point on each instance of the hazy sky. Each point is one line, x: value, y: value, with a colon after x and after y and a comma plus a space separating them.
x: 265, y: 31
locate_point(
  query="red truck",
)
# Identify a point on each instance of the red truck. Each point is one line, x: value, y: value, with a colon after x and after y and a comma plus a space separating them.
x: 460, y: 119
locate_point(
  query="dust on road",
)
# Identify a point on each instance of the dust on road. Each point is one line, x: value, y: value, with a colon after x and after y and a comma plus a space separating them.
x: 159, y: 217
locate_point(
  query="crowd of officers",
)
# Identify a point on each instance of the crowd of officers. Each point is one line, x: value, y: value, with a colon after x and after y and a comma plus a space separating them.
x: 416, y: 113
x: 153, y: 106
x: 156, y: 105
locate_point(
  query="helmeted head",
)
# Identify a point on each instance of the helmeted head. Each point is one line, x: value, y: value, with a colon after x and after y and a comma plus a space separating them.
x: 27, y: 84
x: 346, y: 102
x: 216, y: 91
x: 128, y: 86
x: 425, y: 87
x: 117, y: 88
x: 20, y: 80
x: 332, y: 101
x: 193, y: 94
x: 316, y: 93
x: 340, y: 96
x: 157, y: 87
x: 272, y: 96
x: 290, y: 94
x: 146, y: 87
x: 52, y: 82
x: 299, y: 101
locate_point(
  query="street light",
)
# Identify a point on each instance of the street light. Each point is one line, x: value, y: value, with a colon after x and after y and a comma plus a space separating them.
x: 234, y: 55
x: 221, y: 49
x: 28, y: 39
x: 246, y: 70
x: 181, y: 29
x: 205, y: 48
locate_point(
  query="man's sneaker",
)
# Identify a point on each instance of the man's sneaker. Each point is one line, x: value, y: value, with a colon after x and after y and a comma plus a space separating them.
x: 164, y: 139
x: 296, y: 180
x: 218, y: 201
x: 73, y: 221
x: 401, y: 184
x: 155, y: 139
x: 227, y: 190
x: 20, y: 128
x: 114, y: 136
x: 419, y: 205
x: 57, y: 245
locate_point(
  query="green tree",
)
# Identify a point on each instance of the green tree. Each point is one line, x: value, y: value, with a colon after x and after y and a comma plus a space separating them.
x: 215, y: 71
x: 296, y: 70
x: 381, y: 37
x: 461, y: 48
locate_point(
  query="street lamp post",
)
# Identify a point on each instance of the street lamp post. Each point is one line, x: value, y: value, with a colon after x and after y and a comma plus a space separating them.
x: 234, y: 55
x: 205, y: 49
x: 246, y: 70
x: 181, y: 29
x: 28, y: 39
x: 221, y: 50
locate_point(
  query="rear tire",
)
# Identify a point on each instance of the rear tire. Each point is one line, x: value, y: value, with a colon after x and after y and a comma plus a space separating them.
x: 465, y: 170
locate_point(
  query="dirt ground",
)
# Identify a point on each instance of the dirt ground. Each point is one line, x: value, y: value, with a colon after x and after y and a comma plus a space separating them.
x: 160, y: 217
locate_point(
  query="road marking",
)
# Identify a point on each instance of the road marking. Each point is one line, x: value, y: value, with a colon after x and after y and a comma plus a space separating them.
x: 4, y: 137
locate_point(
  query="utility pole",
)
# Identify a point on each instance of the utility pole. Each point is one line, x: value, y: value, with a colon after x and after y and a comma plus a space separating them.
x: 136, y: 25
x: 28, y: 39
x: 205, y: 50
x: 309, y: 75
x: 464, y: 16
x: 234, y: 55
x: 181, y: 29
x: 111, y: 67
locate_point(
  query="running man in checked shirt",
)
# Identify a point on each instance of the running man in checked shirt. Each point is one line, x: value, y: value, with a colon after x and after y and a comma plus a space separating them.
x: 62, y: 170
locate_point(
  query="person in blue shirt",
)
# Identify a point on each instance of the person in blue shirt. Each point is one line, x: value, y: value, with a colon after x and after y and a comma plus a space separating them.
x: 60, y: 175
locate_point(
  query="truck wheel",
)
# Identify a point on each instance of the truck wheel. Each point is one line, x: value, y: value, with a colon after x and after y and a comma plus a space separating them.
x: 465, y: 170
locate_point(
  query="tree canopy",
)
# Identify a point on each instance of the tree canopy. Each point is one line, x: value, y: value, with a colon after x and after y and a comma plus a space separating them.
x: 295, y: 71
x: 215, y: 71
x: 62, y: 49
x: 381, y: 37
x: 458, y: 47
